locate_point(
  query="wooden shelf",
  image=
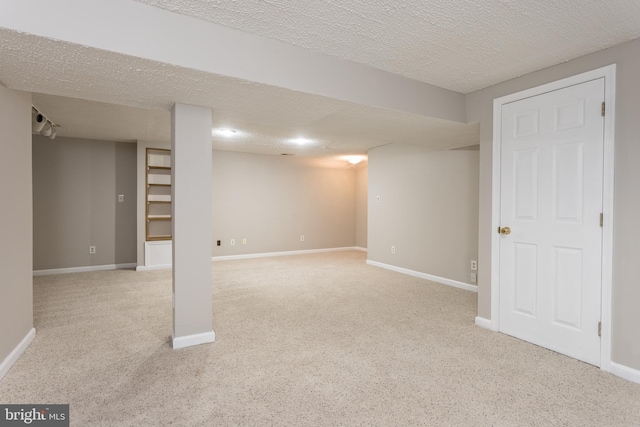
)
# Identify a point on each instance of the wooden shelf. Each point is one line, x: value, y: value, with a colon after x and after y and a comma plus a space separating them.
x: 158, y: 185
x: 159, y: 198
x: 166, y: 168
x: 163, y: 237
x: 158, y: 217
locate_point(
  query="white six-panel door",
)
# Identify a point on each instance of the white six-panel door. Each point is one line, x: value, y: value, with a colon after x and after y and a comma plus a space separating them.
x: 551, y: 200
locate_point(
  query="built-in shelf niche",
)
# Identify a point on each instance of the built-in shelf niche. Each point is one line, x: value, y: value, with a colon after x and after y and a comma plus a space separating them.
x: 158, y: 194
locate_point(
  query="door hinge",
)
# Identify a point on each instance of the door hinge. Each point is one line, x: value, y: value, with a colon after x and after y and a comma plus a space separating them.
x: 599, y: 329
x: 602, y: 111
x: 601, y: 220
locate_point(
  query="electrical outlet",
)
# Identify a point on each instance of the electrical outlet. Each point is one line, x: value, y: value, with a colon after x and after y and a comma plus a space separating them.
x: 244, y: 241
x: 474, y: 265
x: 302, y: 238
x: 378, y: 199
x: 474, y: 277
x: 233, y: 242
x: 393, y: 249
x: 218, y: 242
x: 120, y: 198
x: 92, y: 249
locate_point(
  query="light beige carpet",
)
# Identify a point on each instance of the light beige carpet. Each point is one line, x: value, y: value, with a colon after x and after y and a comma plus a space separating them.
x: 316, y: 340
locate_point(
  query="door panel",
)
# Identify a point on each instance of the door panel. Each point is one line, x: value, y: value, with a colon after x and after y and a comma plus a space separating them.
x: 526, y: 183
x: 551, y: 198
x: 568, y: 176
x: 567, y: 286
x: 525, y: 283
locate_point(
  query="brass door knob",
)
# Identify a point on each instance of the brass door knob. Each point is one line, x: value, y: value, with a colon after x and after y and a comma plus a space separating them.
x: 504, y: 230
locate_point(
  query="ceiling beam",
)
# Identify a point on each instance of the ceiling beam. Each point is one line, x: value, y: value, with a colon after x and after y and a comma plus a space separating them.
x: 144, y: 31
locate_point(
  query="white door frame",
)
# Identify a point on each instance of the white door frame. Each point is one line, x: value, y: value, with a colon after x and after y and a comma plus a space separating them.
x: 609, y: 74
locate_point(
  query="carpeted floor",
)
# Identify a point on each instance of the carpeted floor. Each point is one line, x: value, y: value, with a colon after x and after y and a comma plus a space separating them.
x: 316, y: 340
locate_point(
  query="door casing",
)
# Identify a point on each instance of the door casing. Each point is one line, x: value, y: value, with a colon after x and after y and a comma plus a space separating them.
x: 609, y: 74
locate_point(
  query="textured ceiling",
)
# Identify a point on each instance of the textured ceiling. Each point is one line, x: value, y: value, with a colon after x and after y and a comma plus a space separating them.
x: 105, y: 95
x: 456, y: 44
x: 462, y: 45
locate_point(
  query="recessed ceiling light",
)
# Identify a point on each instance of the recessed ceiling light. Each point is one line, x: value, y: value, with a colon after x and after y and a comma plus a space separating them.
x: 224, y: 132
x: 354, y: 160
x: 301, y: 141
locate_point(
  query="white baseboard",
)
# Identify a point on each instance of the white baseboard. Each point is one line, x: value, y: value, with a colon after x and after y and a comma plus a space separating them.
x: 260, y: 255
x: 191, y: 340
x: 442, y: 280
x: 287, y: 253
x: 12, y: 358
x: 625, y: 372
x: 83, y: 269
x: 485, y: 323
x: 153, y: 267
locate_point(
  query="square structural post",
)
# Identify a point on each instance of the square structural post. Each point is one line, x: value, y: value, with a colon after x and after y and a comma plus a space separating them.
x: 191, y: 214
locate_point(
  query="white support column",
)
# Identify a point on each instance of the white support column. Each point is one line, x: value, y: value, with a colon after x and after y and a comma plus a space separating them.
x: 191, y: 209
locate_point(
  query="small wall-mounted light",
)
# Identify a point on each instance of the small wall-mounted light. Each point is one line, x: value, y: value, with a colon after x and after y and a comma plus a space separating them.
x: 224, y: 132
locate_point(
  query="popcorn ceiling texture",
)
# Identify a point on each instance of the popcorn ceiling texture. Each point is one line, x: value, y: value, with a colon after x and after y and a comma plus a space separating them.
x: 459, y: 45
x: 69, y: 79
x: 462, y: 45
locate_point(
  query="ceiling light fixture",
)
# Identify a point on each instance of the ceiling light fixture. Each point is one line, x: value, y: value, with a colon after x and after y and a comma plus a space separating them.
x: 301, y: 141
x: 224, y: 132
x: 42, y: 125
x: 354, y: 159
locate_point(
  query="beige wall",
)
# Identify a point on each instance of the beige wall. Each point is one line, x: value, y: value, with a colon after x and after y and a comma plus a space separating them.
x: 361, y: 205
x: 16, y: 281
x: 427, y: 209
x: 626, y: 292
x: 273, y: 200
x: 75, y: 185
